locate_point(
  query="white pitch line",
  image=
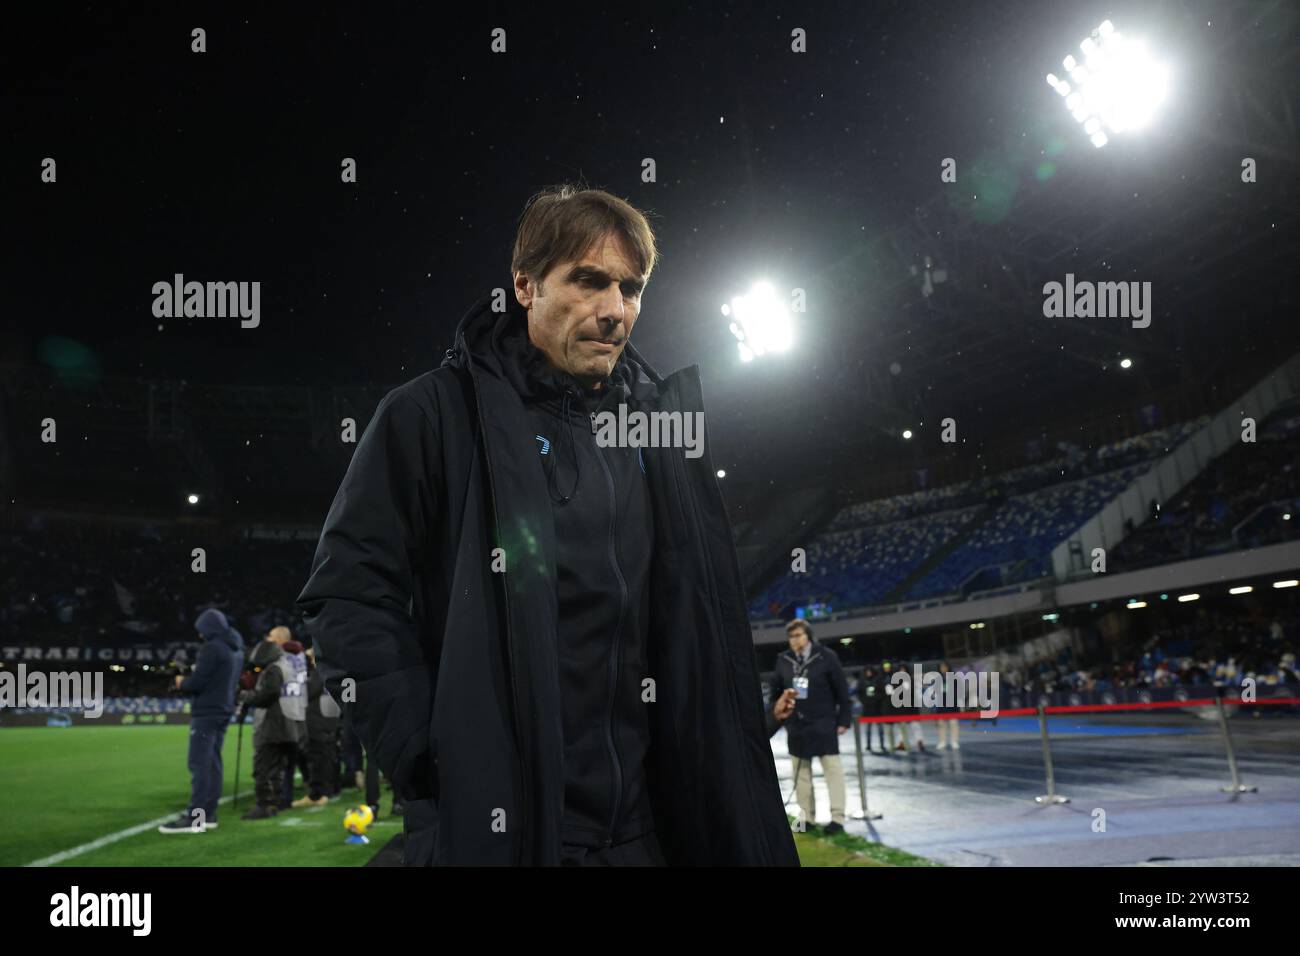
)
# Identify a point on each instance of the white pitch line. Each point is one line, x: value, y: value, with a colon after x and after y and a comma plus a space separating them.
x: 112, y: 838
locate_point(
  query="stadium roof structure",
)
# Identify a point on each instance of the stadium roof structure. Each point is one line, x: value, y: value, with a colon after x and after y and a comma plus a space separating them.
x: 925, y: 297
x: 948, y: 306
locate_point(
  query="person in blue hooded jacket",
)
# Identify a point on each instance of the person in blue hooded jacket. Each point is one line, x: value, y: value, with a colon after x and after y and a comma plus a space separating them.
x: 212, y: 684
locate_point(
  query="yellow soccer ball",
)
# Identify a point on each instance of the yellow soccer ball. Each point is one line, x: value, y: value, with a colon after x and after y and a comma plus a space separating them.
x: 358, y: 820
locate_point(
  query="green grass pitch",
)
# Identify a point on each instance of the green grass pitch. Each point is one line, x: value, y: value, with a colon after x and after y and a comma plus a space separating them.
x: 63, y: 788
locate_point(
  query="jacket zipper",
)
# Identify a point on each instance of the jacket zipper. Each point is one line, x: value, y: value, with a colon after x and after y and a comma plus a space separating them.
x: 614, y: 650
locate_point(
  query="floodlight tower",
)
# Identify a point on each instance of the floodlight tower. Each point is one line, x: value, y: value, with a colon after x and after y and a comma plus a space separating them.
x: 1116, y: 88
x: 760, y: 321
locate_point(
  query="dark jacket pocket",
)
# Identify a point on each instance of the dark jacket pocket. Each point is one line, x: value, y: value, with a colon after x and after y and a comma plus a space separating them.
x: 421, y: 828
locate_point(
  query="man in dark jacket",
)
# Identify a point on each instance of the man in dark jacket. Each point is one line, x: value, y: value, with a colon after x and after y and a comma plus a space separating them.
x: 322, y: 740
x: 212, y: 684
x: 541, y: 637
x: 279, y: 703
x: 296, y: 657
x: 821, y: 713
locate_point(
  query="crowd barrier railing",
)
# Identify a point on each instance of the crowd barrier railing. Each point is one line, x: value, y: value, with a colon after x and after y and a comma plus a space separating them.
x: 1278, y: 696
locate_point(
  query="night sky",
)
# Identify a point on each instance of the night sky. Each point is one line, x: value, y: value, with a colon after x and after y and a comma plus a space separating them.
x: 225, y: 166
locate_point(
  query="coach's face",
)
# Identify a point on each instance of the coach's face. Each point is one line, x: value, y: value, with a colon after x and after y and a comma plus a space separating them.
x: 582, y: 312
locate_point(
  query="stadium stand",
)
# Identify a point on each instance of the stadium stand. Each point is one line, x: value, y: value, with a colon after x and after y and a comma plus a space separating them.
x: 1247, y: 497
x: 103, y: 585
x: 963, y: 537
x: 1216, y: 648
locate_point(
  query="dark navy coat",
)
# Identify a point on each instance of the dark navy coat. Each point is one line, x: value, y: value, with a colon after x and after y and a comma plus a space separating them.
x: 456, y: 674
x: 812, y: 727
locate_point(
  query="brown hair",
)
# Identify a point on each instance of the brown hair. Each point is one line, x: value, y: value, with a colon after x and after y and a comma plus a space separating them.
x: 798, y: 624
x: 562, y: 222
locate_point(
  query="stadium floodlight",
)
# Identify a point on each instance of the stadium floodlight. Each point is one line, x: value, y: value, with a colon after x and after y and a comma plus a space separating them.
x: 1184, y: 598
x: 1116, y: 88
x: 722, y: 473
x: 907, y: 433
x: 1244, y: 589
x: 1286, y: 584
x: 1134, y: 605
x: 193, y: 499
x: 1126, y: 363
x: 760, y: 321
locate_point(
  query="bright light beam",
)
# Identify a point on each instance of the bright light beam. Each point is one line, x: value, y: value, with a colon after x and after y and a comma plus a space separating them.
x: 1116, y: 89
x: 760, y: 321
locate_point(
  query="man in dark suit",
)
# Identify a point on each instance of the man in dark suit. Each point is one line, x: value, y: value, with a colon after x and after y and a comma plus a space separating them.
x: 822, y: 712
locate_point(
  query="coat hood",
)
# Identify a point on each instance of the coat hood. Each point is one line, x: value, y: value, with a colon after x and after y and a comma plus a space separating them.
x: 265, y: 654
x: 497, y: 344
x: 212, y: 625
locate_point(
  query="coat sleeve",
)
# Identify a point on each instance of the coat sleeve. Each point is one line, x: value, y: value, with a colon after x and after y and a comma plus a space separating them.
x: 267, y: 691
x: 357, y: 602
x: 204, y: 669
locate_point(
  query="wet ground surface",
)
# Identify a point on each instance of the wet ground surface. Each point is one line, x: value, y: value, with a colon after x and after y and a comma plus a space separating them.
x: 1154, y: 778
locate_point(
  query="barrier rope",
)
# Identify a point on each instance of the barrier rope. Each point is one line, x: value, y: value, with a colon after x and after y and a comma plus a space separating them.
x: 1077, y: 709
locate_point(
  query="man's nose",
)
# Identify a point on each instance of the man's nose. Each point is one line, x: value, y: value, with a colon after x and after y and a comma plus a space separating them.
x: 611, y: 308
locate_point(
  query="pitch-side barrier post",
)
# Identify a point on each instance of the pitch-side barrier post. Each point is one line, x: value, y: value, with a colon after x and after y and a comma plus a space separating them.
x: 1236, y: 786
x: 867, y: 813
x: 1051, y: 796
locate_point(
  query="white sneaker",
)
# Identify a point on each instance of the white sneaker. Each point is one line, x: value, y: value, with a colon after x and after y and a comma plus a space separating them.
x: 941, y: 747
x: 956, y: 746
